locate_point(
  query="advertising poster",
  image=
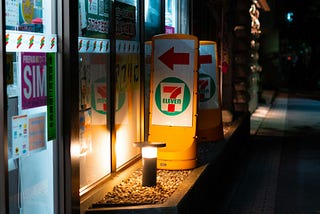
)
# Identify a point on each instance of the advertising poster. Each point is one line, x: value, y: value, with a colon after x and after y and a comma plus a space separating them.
x: 28, y: 134
x: 30, y: 17
x: 173, y: 82
x: 20, y: 144
x: 96, y: 16
x: 12, y: 17
x: 33, y: 80
x: 125, y: 20
x: 37, y: 132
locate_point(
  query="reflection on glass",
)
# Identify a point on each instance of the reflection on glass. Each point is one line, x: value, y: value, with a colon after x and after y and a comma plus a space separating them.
x: 152, y: 18
x: 94, y: 147
x: 127, y: 101
x: 170, y: 16
x: 127, y: 104
x: 94, y: 18
x: 94, y: 71
x: 176, y: 16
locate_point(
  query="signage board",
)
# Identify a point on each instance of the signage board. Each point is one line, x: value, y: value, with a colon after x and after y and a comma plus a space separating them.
x: 28, y: 134
x: 208, y: 71
x: 33, y: 80
x: 173, y: 99
x: 173, y: 78
x: 209, y: 114
x: 94, y: 18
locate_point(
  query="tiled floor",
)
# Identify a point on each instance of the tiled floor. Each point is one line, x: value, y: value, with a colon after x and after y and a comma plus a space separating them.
x: 281, y: 173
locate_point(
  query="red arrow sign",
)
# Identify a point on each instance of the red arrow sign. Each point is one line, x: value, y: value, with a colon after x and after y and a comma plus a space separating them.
x: 205, y: 59
x: 170, y: 58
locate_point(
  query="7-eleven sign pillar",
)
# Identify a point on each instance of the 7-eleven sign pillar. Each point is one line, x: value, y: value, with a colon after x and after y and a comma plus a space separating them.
x: 173, y: 99
x: 210, y: 127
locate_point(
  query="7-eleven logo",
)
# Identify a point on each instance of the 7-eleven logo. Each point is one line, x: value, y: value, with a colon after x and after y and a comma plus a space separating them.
x: 207, y: 87
x: 99, y: 96
x: 204, y: 88
x: 172, y: 96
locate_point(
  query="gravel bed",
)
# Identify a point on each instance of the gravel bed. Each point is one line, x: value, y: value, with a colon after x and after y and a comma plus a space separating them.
x: 131, y: 192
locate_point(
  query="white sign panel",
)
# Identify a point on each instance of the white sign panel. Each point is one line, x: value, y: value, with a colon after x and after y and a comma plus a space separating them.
x: 208, y: 87
x: 173, y: 81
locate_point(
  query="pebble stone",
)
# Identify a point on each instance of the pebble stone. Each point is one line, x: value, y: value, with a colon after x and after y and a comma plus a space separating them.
x: 131, y: 192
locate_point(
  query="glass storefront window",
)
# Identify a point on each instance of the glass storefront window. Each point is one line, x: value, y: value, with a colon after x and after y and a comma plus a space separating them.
x: 94, y: 86
x: 94, y: 45
x: 94, y: 133
x: 176, y: 16
x: 152, y: 17
x: 110, y: 110
x: 31, y: 48
x: 170, y: 16
x: 128, y: 97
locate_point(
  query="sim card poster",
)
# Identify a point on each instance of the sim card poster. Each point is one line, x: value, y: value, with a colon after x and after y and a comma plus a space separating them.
x: 33, y: 80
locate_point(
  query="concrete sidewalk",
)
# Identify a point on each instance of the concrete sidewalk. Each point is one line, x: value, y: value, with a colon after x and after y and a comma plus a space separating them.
x: 281, y: 170
x: 262, y: 110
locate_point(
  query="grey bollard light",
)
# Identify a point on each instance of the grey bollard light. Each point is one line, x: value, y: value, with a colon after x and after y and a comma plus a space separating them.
x: 149, y: 152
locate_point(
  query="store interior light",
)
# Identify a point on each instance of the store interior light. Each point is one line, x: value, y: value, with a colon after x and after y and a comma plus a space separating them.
x: 149, y: 152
